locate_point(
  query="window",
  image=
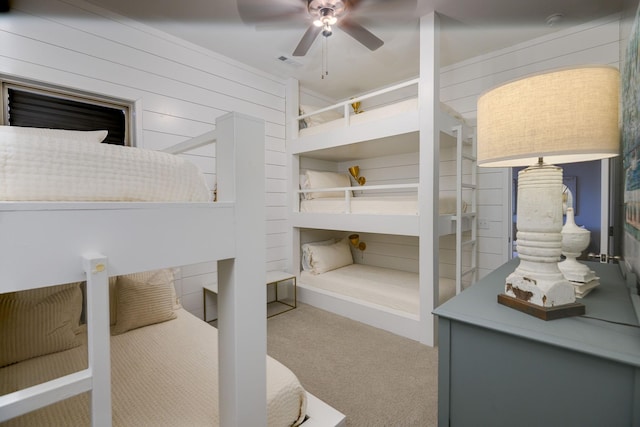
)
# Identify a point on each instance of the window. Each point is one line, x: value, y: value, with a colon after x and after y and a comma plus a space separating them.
x: 44, y: 108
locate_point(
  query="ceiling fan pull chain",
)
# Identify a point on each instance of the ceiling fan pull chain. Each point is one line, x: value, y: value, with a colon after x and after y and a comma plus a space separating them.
x: 325, y: 56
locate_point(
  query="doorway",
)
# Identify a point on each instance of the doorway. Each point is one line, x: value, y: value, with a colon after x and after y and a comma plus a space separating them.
x: 586, y: 189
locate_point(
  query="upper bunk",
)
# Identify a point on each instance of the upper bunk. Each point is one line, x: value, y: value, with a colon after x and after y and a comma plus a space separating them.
x: 142, y: 208
x: 374, y: 116
x: 75, y: 237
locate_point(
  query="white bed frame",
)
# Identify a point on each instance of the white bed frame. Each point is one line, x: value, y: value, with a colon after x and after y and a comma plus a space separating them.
x: 350, y: 139
x: 48, y: 243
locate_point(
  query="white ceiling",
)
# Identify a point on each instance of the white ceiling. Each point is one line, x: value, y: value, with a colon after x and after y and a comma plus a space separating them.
x: 469, y: 28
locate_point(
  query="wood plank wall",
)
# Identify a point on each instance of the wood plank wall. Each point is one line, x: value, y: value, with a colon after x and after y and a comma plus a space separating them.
x: 178, y: 89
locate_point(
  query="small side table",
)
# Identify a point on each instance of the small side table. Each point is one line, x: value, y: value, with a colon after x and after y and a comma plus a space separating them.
x: 214, y: 290
x: 275, y: 307
x: 276, y: 278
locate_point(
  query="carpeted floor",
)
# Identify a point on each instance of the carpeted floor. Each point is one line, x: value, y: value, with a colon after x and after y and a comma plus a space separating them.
x: 372, y: 376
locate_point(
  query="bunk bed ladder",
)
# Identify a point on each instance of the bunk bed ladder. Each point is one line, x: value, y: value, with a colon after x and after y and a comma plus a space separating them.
x: 96, y: 379
x: 466, y: 182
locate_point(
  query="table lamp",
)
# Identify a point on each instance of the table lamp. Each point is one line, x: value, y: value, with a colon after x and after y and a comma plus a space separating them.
x: 562, y: 116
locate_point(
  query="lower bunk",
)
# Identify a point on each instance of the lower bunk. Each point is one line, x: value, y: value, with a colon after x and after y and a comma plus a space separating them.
x: 383, y: 297
x: 163, y: 374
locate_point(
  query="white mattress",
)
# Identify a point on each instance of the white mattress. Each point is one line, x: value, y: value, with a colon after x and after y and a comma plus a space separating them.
x: 377, y: 205
x: 40, y: 170
x: 162, y: 375
x: 366, y: 116
x: 389, y: 205
x: 382, y: 286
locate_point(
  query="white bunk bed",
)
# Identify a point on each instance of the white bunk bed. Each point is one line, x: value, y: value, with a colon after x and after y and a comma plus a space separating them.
x: 46, y: 243
x: 389, y: 129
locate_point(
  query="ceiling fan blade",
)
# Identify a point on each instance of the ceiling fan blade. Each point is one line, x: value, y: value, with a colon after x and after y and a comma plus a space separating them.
x: 361, y: 34
x: 258, y: 11
x: 307, y: 40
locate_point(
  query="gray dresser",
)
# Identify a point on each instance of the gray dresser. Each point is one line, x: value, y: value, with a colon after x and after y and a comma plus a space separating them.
x: 501, y: 367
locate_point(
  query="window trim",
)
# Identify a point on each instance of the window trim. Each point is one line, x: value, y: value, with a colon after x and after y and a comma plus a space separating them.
x: 74, y: 95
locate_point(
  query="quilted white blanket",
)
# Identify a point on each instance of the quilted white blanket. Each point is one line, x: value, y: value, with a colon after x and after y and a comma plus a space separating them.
x: 67, y: 170
x: 161, y: 375
x: 377, y: 205
x: 382, y: 286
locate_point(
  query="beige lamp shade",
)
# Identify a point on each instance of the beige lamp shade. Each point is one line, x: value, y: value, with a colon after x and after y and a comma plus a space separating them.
x: 564, y: 116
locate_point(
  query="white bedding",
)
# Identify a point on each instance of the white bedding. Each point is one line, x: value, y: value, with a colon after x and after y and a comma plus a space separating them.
x: 377, y: 205
x: 382, y: 286
x: 366, y: 116
x: 164, y: 374
x: 389, y: 205
x: 39, y: 169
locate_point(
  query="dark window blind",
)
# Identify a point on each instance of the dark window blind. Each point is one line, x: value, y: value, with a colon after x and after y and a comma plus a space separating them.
x: 46, y: 111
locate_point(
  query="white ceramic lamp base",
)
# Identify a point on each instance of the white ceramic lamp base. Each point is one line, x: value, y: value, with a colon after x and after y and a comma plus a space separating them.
x: 537, y: 280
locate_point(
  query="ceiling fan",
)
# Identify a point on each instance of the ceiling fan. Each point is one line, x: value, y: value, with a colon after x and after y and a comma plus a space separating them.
x: 323, y: 14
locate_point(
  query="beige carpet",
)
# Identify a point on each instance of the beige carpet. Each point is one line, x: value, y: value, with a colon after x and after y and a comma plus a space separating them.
x: 374, y: 377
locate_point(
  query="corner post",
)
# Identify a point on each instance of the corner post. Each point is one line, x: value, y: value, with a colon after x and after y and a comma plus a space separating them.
x: 242, y: 325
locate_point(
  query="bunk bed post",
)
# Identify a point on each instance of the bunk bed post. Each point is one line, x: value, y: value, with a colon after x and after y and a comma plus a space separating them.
x: 459, y: 184
x: 241, y: 281
x: 293, y: 169
x: 428, y: 103
x: 98, y: 338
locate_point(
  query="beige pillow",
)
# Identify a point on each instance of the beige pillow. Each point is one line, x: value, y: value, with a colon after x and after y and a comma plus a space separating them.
x: 320, y: 179
x: 144, y: 299
x: 39, y: 321
x: 329, y: 257
x: 30, y: 133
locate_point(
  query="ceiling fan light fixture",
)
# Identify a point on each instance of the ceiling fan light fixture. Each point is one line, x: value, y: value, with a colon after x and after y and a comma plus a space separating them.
x: 322, y: 8
x: 327, y: 17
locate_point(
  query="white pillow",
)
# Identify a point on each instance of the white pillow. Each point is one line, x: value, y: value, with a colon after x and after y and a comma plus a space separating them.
x: 29, y: 133
x: 318, y: 119
x: 307, y: 248
x: 304, y: 184
x: 329, y: 257
x: 319, y: 179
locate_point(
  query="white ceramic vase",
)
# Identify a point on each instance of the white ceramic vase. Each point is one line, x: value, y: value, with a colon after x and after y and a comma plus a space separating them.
x: 575, y: 240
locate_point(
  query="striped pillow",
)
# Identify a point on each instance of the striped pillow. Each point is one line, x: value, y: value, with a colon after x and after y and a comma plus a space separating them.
x: 144, y: 299
x: 39, y: 321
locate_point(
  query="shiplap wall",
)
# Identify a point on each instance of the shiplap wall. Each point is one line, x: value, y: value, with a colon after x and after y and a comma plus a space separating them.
x: 596, y: 42
x: 178, y: 90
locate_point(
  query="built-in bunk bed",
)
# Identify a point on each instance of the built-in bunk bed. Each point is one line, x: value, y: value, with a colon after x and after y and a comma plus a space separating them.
x: 92, y: 333
x: 383, y: 139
